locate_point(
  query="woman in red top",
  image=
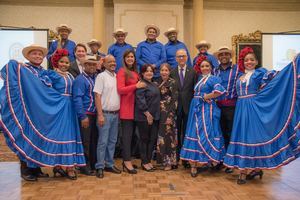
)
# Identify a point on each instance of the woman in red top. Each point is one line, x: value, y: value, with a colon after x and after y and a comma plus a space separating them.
x: 127, y: 83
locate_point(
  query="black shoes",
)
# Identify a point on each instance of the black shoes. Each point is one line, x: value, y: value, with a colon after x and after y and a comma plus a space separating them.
x: 99, y: 173
x: 242, y: 179
x: 146, y: 169
x: 130, y: 171
x: 113, y: 169
x: 60, y: 171
x: 228, y: 170
x: 254, y: 173
x: 29, y: 177
x: 86, y: 171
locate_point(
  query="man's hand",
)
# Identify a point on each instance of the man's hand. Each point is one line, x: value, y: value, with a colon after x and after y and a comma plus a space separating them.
x: 85, y: 123
x: 100, y: 120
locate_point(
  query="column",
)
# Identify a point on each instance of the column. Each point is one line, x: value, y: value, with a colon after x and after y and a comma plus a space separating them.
x: 99, y: 23
x: 198, y: 25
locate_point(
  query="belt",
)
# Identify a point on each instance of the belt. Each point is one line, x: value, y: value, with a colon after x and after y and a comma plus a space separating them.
x: 110, y: 112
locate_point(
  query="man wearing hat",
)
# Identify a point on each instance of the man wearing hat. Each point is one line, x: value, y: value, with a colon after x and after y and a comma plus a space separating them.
x: 63, y: 42
x: 95, y: 45
x: 172, y: 46
x: 151, y: 51
x: 117, y: 49
x: 84, y: 103
x: 35, y: 54
x: 202, y: 47
x: 229, y: 74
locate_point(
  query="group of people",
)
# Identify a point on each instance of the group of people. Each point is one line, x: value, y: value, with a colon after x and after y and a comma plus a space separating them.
x: 208, y: 114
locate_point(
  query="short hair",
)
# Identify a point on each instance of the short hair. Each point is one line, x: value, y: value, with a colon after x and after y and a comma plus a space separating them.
x: 80, y: 45
x: 144, y: 69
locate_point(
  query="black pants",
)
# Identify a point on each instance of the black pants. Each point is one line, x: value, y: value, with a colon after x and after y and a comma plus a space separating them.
x: 181, y: 128
x: 127, y: 133
x: 89, y: 137
x: 148, y: 139
x: 226, y: 122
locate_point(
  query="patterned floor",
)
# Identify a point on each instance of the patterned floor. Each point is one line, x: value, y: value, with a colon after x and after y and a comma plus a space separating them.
x: 282, y: 184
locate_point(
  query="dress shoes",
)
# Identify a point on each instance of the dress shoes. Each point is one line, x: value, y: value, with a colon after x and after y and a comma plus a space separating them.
x: 113, y: 169
x: 99, y: 173
x: 86, y: 171
x: 29, y: 177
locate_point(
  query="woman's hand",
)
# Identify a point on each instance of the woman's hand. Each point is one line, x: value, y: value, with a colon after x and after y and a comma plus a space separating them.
x: 149, y: 118
x: 140, y: 84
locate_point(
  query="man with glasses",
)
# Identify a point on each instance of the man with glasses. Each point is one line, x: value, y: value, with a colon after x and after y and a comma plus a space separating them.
x: 185, y: 78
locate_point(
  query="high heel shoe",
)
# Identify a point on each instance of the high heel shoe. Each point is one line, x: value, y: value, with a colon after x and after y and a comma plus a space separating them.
x: 147, y: 170
x: 130, y: 171
x: 71, y: 174
x: 254, y: 173
x: 194, y: 172
x: 60, y: 171
x: 242, y: 179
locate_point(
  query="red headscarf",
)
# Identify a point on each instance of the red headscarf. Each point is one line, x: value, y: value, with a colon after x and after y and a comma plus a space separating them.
x: 58, y: 54
x: 200, y: 59
x: 242, y: 56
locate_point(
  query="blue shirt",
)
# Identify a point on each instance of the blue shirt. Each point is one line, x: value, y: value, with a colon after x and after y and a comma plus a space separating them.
x: 69, y: 45
x: 117, y: 50
x: 83, y: 95
x: 151, y: 53
x: 171, y: 49
x: 229, y: 78
x: 212, y: 59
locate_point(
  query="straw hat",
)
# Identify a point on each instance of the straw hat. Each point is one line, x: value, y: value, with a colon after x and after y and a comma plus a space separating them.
x: 94, y: 41
x: 63, y: 27
x: 89, y: 59
x: 223, y: 49
x: 119, y: 31
x: 203, y: 43
x: 154, y: 27
x: 170, y: 30
x: 32, y: 47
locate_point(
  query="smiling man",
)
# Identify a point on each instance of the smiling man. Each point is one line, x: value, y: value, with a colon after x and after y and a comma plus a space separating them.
x: 63, y: 42
x: 108, y: 105
x: 172, y: 46
x: 117, y: 49
x: 151, y: 51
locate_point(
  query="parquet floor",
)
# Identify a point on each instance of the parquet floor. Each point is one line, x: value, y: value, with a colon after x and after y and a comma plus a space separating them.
x: 281, y: 184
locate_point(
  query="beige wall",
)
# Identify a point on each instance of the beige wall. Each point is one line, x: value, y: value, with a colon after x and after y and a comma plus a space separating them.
x: 219, y: 25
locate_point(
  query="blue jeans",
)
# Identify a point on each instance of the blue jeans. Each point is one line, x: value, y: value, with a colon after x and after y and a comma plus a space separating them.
x: 108, y: 135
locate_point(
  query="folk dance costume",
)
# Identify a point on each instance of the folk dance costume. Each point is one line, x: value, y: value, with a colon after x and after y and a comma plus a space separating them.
x: 38, y: 120
x: 266, y: 123
x: 203, y: 141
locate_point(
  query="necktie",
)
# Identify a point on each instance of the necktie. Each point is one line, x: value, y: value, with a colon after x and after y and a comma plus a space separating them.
x: 181, y: 77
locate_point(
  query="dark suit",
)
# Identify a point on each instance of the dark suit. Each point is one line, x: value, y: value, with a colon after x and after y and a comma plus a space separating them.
x: 74, y: 69
x: 185, y: 95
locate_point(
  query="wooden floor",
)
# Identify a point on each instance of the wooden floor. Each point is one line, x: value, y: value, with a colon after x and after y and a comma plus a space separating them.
x: 282, y: 184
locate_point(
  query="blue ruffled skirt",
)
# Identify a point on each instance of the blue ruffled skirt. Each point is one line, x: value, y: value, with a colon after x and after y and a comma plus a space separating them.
x: 266, y: 125
x: 39, y: 123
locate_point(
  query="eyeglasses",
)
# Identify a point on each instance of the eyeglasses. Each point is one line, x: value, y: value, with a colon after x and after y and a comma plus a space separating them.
x: 181, y: 56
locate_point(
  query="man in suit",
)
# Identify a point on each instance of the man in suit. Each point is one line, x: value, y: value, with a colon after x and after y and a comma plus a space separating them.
x: 186, y: 78
x: 80, y: 52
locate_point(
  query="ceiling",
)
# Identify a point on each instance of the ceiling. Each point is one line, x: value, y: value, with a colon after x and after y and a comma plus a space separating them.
x: 272, y: 5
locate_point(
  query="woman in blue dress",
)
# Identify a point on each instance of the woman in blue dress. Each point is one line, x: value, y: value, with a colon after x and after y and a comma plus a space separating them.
x: 265, y: 132
x: 203, y: 142
x: 38, y: 120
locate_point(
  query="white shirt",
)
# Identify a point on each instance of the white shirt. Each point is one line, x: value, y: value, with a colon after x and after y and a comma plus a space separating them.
x: 79, y: 66
x: 106, y: 86
x: 184, y: 70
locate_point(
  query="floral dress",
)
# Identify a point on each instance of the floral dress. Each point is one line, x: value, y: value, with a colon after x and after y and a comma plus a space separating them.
x: 167, y: 133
